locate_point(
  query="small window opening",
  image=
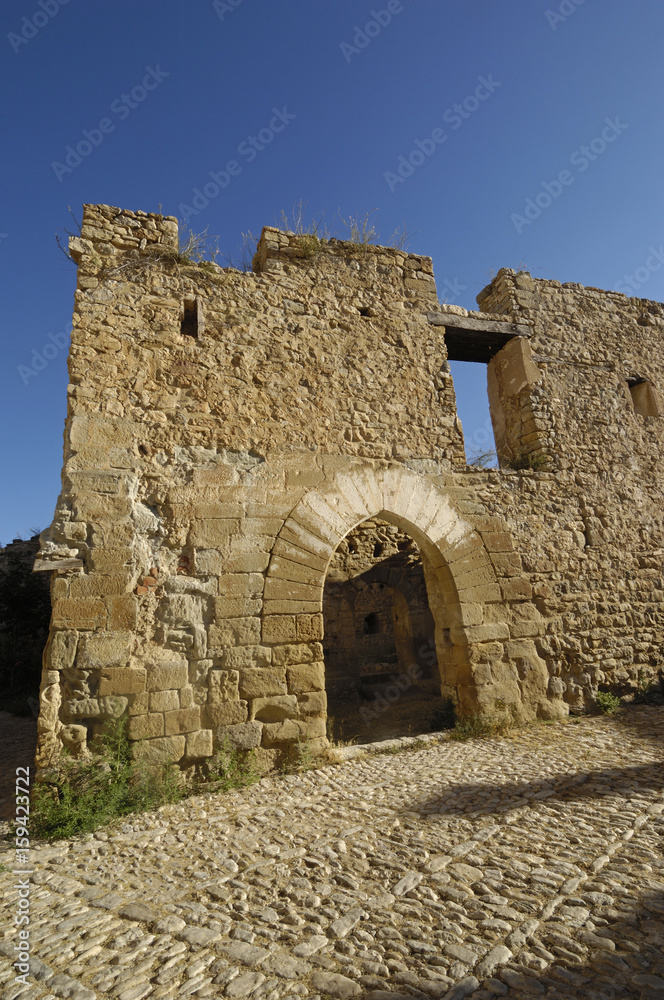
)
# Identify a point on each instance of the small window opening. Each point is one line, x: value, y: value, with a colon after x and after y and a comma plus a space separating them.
x: 363, y: 310
x: 644, y: 398
x: 352, y: 546
x: 189, y: 323
x: 371, y: 624
x: 379, y: 548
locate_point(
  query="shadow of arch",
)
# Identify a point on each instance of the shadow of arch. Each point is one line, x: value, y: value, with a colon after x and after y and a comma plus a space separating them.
x: 459, y: 574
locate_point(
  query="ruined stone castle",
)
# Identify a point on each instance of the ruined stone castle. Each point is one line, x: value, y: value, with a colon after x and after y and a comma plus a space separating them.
x: 266, y: 502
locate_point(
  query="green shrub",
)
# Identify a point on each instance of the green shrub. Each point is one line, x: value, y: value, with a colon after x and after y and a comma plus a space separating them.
x: 607, y: 703
x: 474, y: 726
x: 84, y: 795
x: 231, y: 767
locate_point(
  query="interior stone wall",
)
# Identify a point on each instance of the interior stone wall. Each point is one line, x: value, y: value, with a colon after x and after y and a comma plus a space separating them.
x: 225, y: 433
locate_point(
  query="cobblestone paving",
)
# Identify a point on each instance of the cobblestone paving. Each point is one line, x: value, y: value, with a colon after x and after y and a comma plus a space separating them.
x: 523, y: 866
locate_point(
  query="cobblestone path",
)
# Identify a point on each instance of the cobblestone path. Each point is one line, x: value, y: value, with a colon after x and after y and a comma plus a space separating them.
x: 524, y: 866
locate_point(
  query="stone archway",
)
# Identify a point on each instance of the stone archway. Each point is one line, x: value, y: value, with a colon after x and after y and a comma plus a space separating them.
x: 470, y: 613
x: 381, y: 676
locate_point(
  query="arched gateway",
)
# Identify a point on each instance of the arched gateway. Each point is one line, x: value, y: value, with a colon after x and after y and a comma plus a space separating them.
x: 471, y: 616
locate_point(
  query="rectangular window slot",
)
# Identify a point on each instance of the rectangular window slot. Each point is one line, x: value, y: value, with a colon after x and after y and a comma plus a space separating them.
x: 189, y: 324
x: 643, y: 396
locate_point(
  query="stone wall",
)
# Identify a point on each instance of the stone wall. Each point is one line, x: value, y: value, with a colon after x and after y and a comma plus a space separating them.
x: 227, y: 431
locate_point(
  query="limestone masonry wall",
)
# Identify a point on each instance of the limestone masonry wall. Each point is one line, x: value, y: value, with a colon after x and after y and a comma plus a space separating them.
x: 227, y: 431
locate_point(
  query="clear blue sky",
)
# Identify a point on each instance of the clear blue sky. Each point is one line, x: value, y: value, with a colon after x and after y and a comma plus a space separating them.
x: 356, y: 106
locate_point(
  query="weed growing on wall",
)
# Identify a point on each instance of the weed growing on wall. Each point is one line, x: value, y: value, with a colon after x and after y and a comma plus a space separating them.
x: 84, y: 795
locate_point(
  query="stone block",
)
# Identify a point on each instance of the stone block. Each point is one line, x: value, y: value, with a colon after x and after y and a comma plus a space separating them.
x: 279, y: 629
x: 306, y: 677
x: 467, y: 614
x: 480, y: 633
x: 245, y: 736
x: 61, y: 650
x: 261, y: 682
x: 237, y: 607
x: 98, y: 585
x: 74, y: 738
x: 293, y: 731
x: 275, y: 708
x: 522, y: 629
x: 104, y: 649
x: 184, y: 720
x: 187, y: 699
x: 122, y: 680
x: 122, y: 613
x: 516, y: 589
x: 164, y: 701
x: 167, y: 675
x: 497, y: 541
x: 235, y: 632
x: 157, y: 752
x: 309, y: 627
x: 304, y: 652
x: 273, y: 607
x: 199, y: 744
x: 481, y: 576
x: 241, y: 585
x: 229, y: 713
x: 479, y: 595
x: 181, y: 609
x: 254, y: 561
x: 223, y: 686
x: 82, y: 708
x: 313, y: 703
x: 139, y: 704
x: 277, y: 589
x: 145, y: 727
x: 213, y: 533
x: 506, y: 563
x: 286, y: 569
x: 78, y: 613
x: 241, y: 657
x: 112, y: 706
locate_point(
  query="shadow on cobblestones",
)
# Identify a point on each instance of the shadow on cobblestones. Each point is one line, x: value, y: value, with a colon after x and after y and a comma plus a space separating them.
x: 623, y: 955
x: 475, y: 798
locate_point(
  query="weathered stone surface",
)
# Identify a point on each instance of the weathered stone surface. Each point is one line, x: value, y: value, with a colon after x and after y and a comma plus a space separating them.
x: 214, y: 546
